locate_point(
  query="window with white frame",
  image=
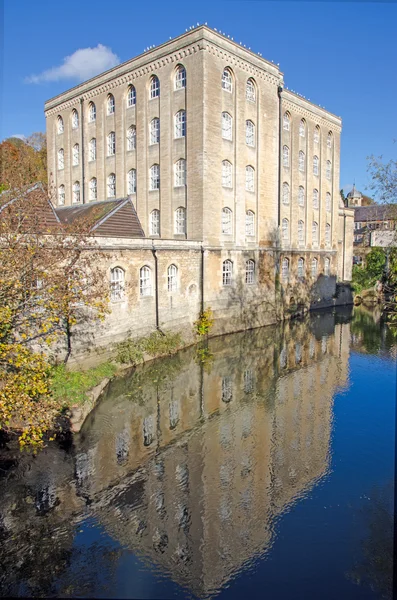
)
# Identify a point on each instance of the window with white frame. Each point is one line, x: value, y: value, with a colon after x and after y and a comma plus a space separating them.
x: 76, y: 192
x: 250, y: 91
x: 154, y: 87
x: 131, y: 96
x: 301, y: 268
x: 301, y: 196
x: 227, y: 221
x: 61, y: 159
x: 92, y: 149
x: 315, y: 165
x: 327, y: 264
x: 180, y: 124
x: 154, y: 223
x: 227, y: 129
x: 75, y: 119
x: 227, y: 81
x: 112, y: 185
x: 154, y: 131
x: 302, y: 128
x: 315, y: 234
x: 110, y: 105
x: 61, y: 195
x: 314, y: 267
x: 250, y: 272
x: 111, y: 143
x: 227, y: 272
x: 249, y: 133
x: 285, y: 156
x: 316, y: 135
x: 131, y: 181
x: 172, y: 278
x: 301, y: 233
x: 154, y: 183
x: 285, y: 230
x: 301, y: 161
x: 91, y: 112
x: 145, y: 281
x: 249, y: 178
x: 117, y: 284
x: 180, y: 173
x: 286, y: 122
x: 131, y: 138
x: 285, y: 269
x: 180, y: 220
x: 327, y: 235
x: 75, y: 155
x: 93, y: 188
x: 328, y: 204
x: 60, y: 127
x: 328, y: 170
x: 315, y: 199
x: 285, y: 193
x: 180, y: 77
x: 329, y: 139
x: 250, y: 223
x: 227, y: 174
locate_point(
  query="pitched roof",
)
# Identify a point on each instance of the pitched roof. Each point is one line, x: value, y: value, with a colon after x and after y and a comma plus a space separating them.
x: 375, y: 212
x: 32, y: 207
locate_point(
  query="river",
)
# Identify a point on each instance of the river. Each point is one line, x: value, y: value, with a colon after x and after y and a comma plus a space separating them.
x: 261, y: 467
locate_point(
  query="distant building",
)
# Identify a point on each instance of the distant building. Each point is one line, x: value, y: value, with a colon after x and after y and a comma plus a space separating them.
x: 374, y: 226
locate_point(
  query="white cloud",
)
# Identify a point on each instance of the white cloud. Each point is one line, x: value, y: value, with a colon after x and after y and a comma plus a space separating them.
x: 81, y: 65
x: 18, y: 135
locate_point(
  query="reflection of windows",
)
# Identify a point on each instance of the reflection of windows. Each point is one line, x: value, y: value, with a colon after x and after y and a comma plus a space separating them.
x: 182, y: 475
x: 225, y: 434
x: 227, y: 389
x: 174, y: 413
x: 148, y: 430
x: 246, y: 423
x: 298, y: 353
x: 159, y: 502
x: 248, y: 381
x: 224, y: 509
x: 324, y: 344
x: 122, y: 446
x: 225, y: 474
x: 311, y: 348
x: 283, y: 357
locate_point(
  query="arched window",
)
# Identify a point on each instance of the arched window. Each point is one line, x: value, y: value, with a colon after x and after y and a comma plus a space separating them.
x: 285, y: 269
x: 154, y: 87
x: 112, y: 185
x: 61, y: 158
x: 316, y: 135
x: 285, y: 230
x: 92, y: 150
x: 301, y: 196
x: 91, y: 112
x: 315, y: 165
x: 110, y: 105
x: 93, y: 188
x: 301, y: 268
x: 227, y: 174
x: 328, y: 170
x: 285, y: 193
x: 180, y: 77
x: 131, y: 138
x: 180, y: 220
x: 250, y: 223
x: 180, y: 124
x: 154, y: 224
x: 249, y: 133
x: 145, y: 281
x: 327, y: 264
x: 180, y: 173
x: 227, y: 221
x: 327, y: 234
x: 301, y: 163
x: 249, y: 178
x: 154, y: 183
x: 155, y: 131
x: 131, y: 181
x: 250, y: 91
x: 61, y: 195
x: 75, y: 155
x: 285, y: 156
x: 75, y: 119
x: 76, y: 192
x: 315, y: 200
x: 315, y: 234
x: 227, y: 80
x: 328, y: 203
x: 301, y: 233
x: 314, y: 267
x: 60, y: 127
x: 131, y: 96
x: 172, y: 278
x: 250, y: 272
x: 329, y: 139
x: 227, y: 272
x: 227, y: 129
x: 117, y: 284
x: 302, y: 128
x: 286, y: 121
x: 111, y: 143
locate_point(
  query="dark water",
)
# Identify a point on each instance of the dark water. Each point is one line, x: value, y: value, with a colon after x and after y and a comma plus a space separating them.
x: 267, y: 471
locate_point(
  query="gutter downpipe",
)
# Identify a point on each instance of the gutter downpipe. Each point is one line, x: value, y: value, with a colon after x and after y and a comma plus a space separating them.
x: 344, y: 245
x: 156, y: 285
x: 82, y: 150
x: 279, y: 90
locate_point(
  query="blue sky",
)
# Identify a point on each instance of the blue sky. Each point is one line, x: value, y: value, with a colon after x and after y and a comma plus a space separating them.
x: 341, y: 55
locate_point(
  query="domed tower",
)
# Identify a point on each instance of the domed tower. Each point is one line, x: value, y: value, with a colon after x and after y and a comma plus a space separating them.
x: 354, y: 198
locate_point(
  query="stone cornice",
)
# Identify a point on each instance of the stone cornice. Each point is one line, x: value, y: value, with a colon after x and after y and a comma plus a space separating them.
x: 295, y: 103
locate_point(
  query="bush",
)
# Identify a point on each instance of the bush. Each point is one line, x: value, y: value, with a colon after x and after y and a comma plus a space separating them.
x: 204, y: 323
x: 132, y: 351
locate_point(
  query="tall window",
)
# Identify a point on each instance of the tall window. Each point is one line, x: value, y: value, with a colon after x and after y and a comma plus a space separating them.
x: 301, y: 268
x: 329, y: 139
x: 154, y: 183
x: 180, y: 220
x: 285, y: 156
x: 60, y: 127
x: 227, y: 222
x: 285, y: 269
x: 180, y: 124
x: 315, y: 165
x: 93, y: 188
x: 75, y: 155
x: 117, y: 284
x: 76, y: 192
x: 92, y: 150
x: 131, y: 138
x: 249, y: 133
x: 61, y: 158
x: 61, y: 195
x: 250, y: 272
x: 250, y: 91
x: 286, y: 122
x: 154, y: 224
x: 75, y: 119
x: 302, y: 128
x: 316, y: 135
x: 327, y: 267
x: 301, y: 162
x: 314, y: 267
x: 301, y: 196
x: 328, y: 169
x: 227, y: 81
x: 172, y: 277
x: 249, y: 223
x: 91, y: 112
x: 328, y: 235
x: 285, y: 230
x: 180, y: 77
x: 315, y: 234
x: 111, y: 143
x: 155, y: 131
x: 249, y: 178
x: 227, y: 272
x: 315, y: 200
x: 145, y: 282
x: 328, y: 204
x: 227, y: 179
x: 131, y: 181
x: 131, y: 96
x: 301, y: 233
x: 180, y: 173
x: 154, y: 87
x: 112, y: 185
x: 110, y: 105
x: 285, y: 193
x: 227, y: 131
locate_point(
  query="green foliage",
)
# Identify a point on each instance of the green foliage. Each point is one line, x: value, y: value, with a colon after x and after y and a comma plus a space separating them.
x: 131, y: 351
x: 204, y: 323
x: 204, y: 357
x: 71, y: 387
x: 366, y: 277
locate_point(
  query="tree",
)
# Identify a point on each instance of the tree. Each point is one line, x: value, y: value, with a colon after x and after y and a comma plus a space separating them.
x: 342, y: 195
x: 384, y: 179
x: 23, y: 162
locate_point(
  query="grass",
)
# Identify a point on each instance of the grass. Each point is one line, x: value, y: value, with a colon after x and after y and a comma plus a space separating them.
x: 71, y: 387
